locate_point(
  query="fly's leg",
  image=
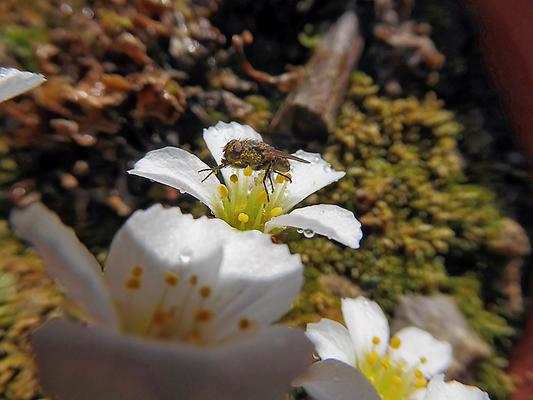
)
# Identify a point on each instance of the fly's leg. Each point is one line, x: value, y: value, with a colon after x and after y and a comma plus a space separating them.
x: 212, y: 171
x: 283, y: 175
x: 267, y: 174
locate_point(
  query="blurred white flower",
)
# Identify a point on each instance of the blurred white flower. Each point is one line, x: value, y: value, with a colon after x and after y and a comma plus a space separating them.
x: 242, y: 201
x: 182, y: 310
x: 398, y: 367
x: 14, y: 82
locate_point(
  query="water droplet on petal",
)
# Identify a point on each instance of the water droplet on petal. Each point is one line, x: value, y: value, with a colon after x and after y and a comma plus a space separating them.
x: 308, y: 233
x: 300, y: 230
x: 327, y: 168
x: 185, y: 255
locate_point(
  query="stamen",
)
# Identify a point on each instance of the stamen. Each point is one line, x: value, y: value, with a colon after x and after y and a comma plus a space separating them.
x: 205, y: 292
x: 263, y: 197
x: 280, y: 179
x: 133, y: 283
x: 244, y: 323
x: 203, y: 315
x: 223, y: 191
x: 276, y: 212
x: 372, y: 357
x: 248, y: 171
x: 423, y: 360
x: 395, y: 343
x: 288, y: 177
x: 193, y: 280
x: 397, y: 380
x: 137, y: 271
x: 376, y: 340
x: 419, y: 373
x: 234, y: 178
x: 243, y: 217
x: 421, y: 383
x: 171, y: 278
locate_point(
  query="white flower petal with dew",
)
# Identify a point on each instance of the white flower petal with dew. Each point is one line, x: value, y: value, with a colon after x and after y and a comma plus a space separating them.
x: 332, y: 341
x: 440, y: 390
x: 309, y: 178
x: 67, y: 261
x: 86, y: 363
x: 217, y: 136
x: 192, y: 296
x: 178, y: 168
x: 14, y: 82
x: 243, y: 276
x: 365, y: 321
x: 417, y: 344
x: 328, y: 220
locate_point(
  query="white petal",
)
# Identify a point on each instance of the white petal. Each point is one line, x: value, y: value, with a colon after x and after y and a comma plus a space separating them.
x: 365, y: 320
x: 419, y: 394
x: 328, y: 220
x: 248, y: 275
x: 440, y: 390
x: 332, y: 340
x: 417, y: 343
x: 14, y: 82
x: 333, y: 380
x: 86, y: 363
x: 178, y: 168
x: 67, y: 260
x: 217, y: 136
x: 308, y: 178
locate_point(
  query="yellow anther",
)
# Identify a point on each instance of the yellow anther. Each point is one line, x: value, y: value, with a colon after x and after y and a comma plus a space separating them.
x: 421, y: 383
x: 203, y: 315
x: 397, y: 380
x: 133, y: 283
x: 419, y: 373
x: 263, y: 197
x: 160, y: 317
x: 372, y: 357
x: 395, y: 342
x: 234, y: 178
x: 223, y: 191
x: 376, y: 340
x: 288, y: 177
x: 423, y: 360
x: 205, y: 292
x: 243, y: 217
x: 276, y: 212
x: 171, y: 278
x: 385, y: 363
x: 137, y: 271
x: 193, y: 280
x: 248, y: 171
x: 244, y: 324
x: 280, y: 179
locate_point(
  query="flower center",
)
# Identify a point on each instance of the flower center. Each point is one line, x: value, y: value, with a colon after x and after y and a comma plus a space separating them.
x: 183, y: 311
x: 243, y: 202
x: 392, y: 378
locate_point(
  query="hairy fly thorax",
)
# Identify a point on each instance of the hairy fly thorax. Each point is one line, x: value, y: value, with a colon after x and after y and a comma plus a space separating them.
x: 258, y: 156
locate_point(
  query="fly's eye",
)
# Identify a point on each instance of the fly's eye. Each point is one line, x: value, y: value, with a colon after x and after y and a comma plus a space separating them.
x: 236, y: 150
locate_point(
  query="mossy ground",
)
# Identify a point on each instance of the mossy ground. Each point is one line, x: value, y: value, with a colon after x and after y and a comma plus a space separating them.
x: 426, y: 227
x: 27, y: 298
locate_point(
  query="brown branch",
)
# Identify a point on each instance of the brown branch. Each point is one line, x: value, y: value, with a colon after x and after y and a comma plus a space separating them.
x: 312, y: 107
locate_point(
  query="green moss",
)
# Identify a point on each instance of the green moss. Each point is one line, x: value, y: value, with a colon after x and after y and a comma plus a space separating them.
x: 425, y: 225
x: 19, y: 42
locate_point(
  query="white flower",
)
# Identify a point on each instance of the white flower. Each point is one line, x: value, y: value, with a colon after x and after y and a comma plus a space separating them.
x: 14, y: 82
x: 180, y: 300
x: 242, y: 201
x: 398, y: 367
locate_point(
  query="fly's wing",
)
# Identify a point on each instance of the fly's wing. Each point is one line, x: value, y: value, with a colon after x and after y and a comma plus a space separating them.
x: 282, y: 154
